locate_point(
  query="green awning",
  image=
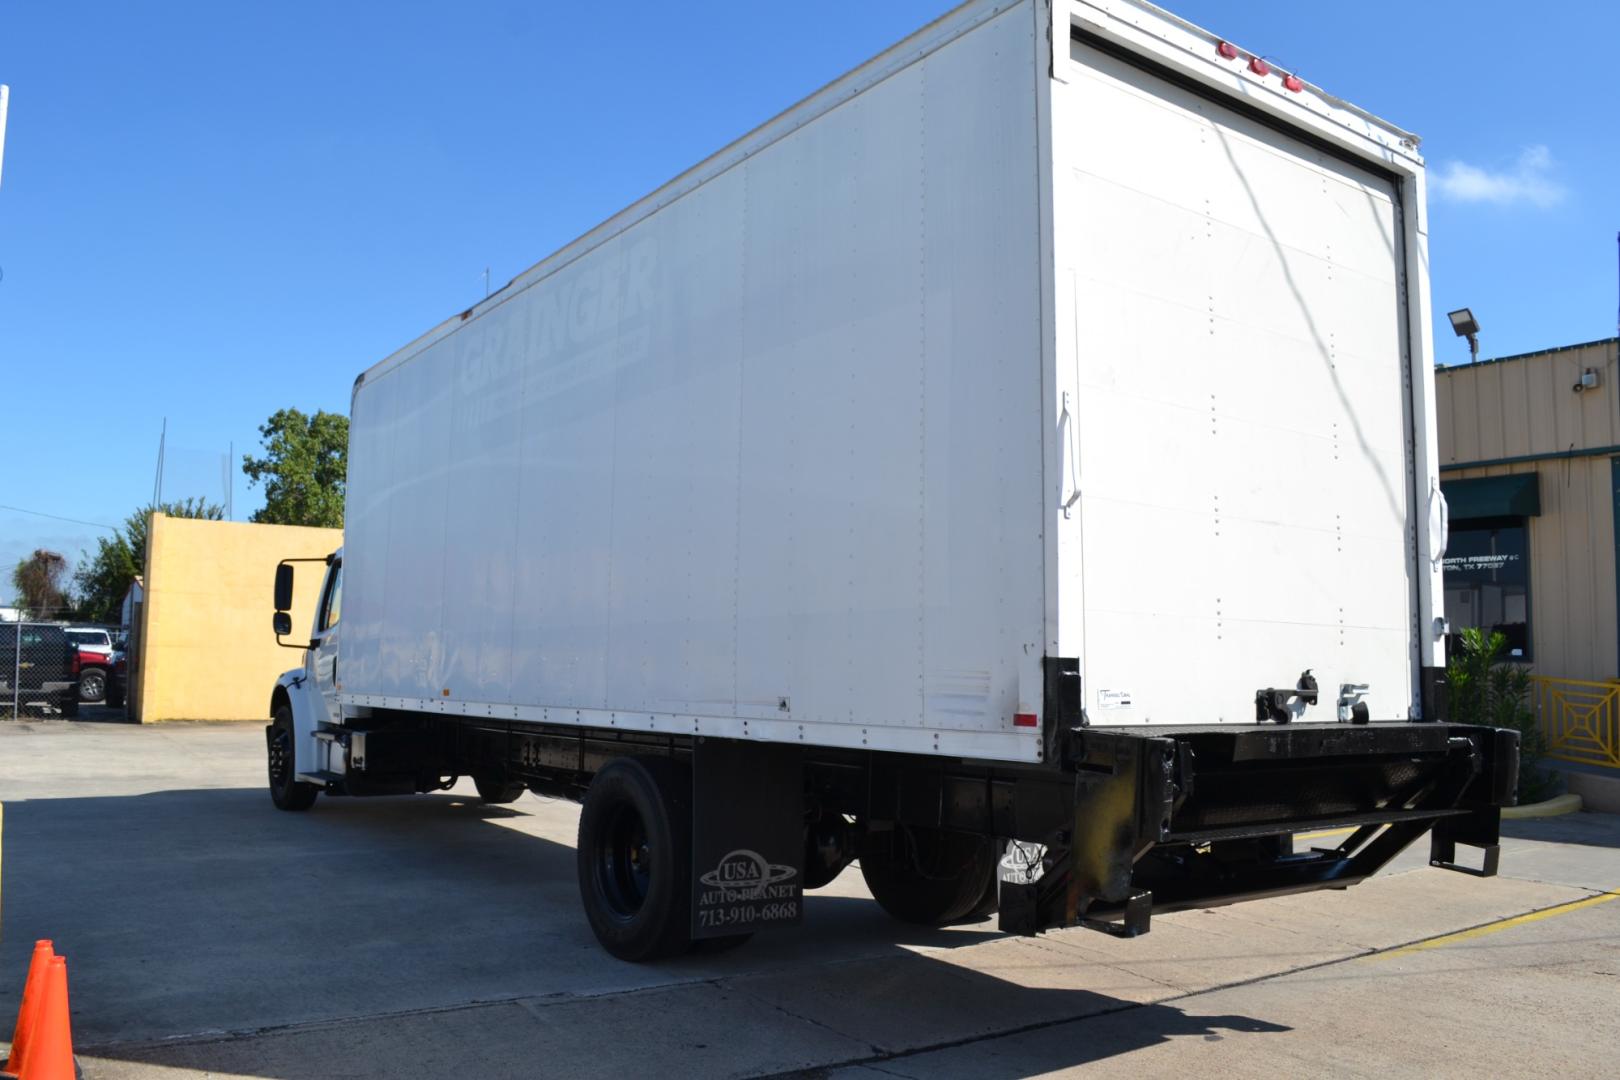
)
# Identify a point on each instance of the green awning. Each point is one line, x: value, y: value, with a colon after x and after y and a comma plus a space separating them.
x: 1493, y: 496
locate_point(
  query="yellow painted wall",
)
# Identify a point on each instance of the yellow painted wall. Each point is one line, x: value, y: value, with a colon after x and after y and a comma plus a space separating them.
x: 207, y: 651
x: 1525, y: 407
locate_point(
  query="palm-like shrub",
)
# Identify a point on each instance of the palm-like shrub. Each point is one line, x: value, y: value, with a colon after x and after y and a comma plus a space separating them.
x: 1486, y: 688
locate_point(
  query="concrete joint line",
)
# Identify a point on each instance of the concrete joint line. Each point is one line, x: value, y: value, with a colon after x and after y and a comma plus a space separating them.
x: 1361, y: 954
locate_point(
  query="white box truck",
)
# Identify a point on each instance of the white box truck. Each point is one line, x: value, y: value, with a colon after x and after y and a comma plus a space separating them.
x: 1029, y: 437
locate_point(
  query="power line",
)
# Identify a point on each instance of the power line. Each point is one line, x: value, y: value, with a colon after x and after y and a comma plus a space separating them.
x: 58, y: 517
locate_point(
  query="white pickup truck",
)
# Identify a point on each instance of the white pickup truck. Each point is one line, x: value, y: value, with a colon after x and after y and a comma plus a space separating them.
x: 1027, y: 437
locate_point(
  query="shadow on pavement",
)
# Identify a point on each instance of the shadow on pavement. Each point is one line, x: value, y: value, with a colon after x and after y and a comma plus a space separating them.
x: 98, y: 713
x: 205, y: 914
x: 1590, y: 829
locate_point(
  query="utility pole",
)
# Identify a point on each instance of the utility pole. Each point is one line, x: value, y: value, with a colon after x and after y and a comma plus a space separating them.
x: 157, y: 481
x: 5, y: 101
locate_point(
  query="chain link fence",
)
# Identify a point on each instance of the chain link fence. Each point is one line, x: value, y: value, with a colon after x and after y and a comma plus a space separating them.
x: 39, y: 671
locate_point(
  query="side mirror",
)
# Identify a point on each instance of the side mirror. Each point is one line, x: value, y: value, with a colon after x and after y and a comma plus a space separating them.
x: 282, y: 623
x: 284, y: 591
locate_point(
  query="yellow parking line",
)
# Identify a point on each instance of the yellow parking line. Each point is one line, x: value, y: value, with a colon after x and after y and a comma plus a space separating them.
x: 1323, y: 835
x: 1505, y: 924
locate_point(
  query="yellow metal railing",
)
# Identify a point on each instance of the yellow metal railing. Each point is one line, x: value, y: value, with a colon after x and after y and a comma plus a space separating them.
x: 1580, y: 718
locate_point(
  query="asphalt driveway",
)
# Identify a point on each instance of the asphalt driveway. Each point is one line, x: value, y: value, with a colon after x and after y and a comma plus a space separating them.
x: 207, y: 933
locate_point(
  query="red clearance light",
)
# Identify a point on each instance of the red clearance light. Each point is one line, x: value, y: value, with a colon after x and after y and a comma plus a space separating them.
x: 1025, y: 719
x: 1294, y: 83
x: 1259, y: 66
x: 1227, y: 50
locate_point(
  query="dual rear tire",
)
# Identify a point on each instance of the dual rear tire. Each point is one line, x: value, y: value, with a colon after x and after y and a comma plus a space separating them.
x: 635, y: 858
x: 932, y: 877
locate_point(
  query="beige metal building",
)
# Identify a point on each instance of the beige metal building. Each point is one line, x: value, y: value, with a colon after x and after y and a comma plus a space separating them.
x: 1530, y: 465
x: 202, y: 648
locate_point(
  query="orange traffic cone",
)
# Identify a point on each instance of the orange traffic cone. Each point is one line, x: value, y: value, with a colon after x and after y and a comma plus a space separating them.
x: 28, y: 1014
x: 50, y: 1048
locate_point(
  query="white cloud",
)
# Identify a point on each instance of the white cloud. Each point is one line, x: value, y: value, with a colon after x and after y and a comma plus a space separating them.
x: 1528, y: 180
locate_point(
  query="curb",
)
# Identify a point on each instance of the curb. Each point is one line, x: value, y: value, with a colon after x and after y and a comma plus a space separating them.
x: 1556, y: 806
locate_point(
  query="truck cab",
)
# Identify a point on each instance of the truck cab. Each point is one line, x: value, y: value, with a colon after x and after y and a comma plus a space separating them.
x: 304, y: 704
x: 314, y: 743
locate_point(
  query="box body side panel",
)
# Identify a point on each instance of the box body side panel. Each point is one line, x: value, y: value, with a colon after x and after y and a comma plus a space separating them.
x: 765, y: 464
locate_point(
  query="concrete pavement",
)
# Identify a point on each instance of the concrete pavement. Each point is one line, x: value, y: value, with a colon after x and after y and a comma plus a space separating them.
x: 208, y: 933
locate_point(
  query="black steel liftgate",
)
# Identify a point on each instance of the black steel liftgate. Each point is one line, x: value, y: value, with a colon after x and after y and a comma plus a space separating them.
x: 1182, y: 818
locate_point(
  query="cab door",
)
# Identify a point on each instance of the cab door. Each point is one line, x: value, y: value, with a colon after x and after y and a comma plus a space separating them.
x: 323, y: 655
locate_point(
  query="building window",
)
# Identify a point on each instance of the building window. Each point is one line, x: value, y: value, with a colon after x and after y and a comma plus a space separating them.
x: 1488, y: 580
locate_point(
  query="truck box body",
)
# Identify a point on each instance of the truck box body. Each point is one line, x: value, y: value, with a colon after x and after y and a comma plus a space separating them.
x: 993, y: 351
x: 1011, y: 470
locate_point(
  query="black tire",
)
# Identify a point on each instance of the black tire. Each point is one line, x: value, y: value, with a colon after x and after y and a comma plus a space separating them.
x: 990, y: 899
x: 635, y: 858
x: 68, y: 704
x: 930, y: 877
x: 286, y: 790
x: 92, y: 685
x: 828, y: 849
x: 498, y: 790
x: 115, y: 696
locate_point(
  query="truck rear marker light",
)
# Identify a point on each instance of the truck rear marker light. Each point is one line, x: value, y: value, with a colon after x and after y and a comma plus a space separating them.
x: 1025, y: 719
x: 1293, y: 83
x: 1259, y: 66
x: 1227, y: 50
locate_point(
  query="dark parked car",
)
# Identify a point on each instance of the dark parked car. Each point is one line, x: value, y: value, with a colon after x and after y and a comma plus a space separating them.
x: 46, y: 673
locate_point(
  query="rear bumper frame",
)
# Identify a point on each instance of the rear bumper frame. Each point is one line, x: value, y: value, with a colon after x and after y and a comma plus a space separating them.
x: 1167, y: 819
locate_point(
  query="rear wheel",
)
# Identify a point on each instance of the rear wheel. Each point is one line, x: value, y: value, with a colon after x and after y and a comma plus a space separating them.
x: 286, y: 790
x: 635, y: 858
x: 496, y: 790
x: 990, y: 899
x: 931, y: 877
x: 68, y: 704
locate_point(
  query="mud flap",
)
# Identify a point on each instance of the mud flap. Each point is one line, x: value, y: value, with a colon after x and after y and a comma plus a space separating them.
x: 747, y: 837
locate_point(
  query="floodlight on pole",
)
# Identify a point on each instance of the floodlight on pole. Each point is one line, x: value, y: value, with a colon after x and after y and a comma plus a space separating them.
x: 1466, y: 326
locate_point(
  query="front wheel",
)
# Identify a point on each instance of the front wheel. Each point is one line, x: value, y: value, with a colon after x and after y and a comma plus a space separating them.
x: 286, y: 790
x: 635, y: 858
x: 497, y: 790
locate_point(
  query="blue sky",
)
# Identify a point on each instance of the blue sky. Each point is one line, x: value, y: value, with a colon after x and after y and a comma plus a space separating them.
x: 211, y: 211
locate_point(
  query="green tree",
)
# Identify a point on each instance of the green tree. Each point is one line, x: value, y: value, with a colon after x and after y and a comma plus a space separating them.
x: 305, y: 464
x: 41, y: 592
x: 104, y: 577
x: 1485, y: 688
